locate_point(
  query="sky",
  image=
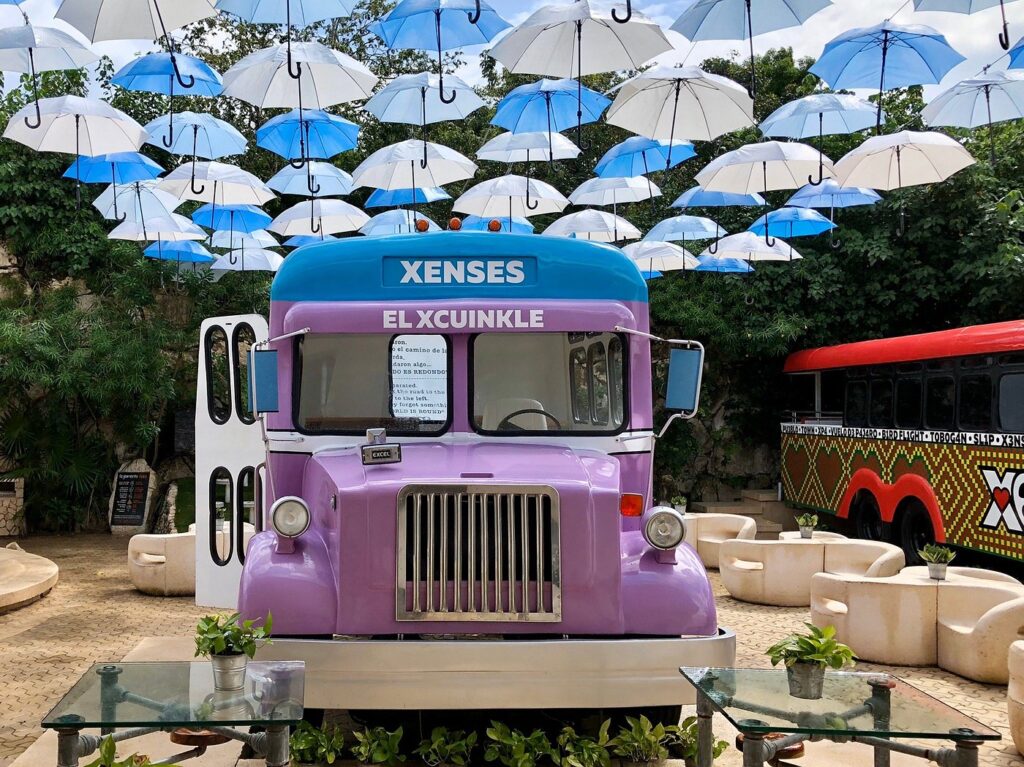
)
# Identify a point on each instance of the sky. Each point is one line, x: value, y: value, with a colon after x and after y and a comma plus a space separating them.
x: 973, y: 36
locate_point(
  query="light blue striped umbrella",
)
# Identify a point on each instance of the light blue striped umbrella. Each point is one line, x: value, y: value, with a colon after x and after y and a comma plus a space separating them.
x: 307, y: 133
x: 723, y: 265
x: 314, y: 178
x: 236, y: 218
x: 637, y: 156
x: 549, y: 106
x: 298, y: 240
x: 184, y: 251
x: 685, y: 228
x: 699, y: 197
x: 831, y: 195
x: 791, y: 222
x: 397, y: 198
x: 198, y: 134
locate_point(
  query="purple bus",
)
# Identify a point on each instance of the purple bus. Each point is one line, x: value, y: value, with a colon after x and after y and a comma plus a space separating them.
x: 458, y: 479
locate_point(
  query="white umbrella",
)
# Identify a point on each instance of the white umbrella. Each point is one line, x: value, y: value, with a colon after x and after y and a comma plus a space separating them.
x: 172, y: 228
x: 528, y: 147
x: 130, y: 19
x: 763, y: 167
x: 669, y: 103
x: 216, y: 182
x: 315, y: 216
x: 985, y: 100
x: 661, y: 256
x: 245, y: 260
x: 907, y: 158
x: 748, y: 246
x: 685, y: 228
x: 326, y: 77
x: 399, y: 166
x: 416, y: 100
x: 397, y: 222
x: 314, y: 177
x: 135, y: 202
x: 259, y: 238
x: 614, y: 190
x: 510, y: 197
x: 595, y: 225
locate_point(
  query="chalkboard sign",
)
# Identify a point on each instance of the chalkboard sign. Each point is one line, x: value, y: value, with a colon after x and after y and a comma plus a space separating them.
x: 130, y: 494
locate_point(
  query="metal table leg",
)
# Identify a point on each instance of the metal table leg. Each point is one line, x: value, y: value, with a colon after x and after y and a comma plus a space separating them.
x: 880, y: 705
x: 67, y: 747
x: 277, y: 746
x: 967, y: 753
x: 705, y: 734
x: 753, y: 749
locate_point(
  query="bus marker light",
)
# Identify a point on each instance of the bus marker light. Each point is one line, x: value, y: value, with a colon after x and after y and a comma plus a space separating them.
x: 631, y: 505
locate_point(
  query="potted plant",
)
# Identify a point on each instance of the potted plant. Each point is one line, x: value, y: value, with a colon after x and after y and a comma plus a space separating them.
x: 316, y: 745
x: 938, y: 559
x: 108, y: 757
x: 577, y: 750
x: 684, y: 743
x: 446, y: 747
x: 643, y: 743
x: 229, y: 643
x: 806, y: 657
x: 375, y: 745
x: 514, y: 749
x: 679, y: 503
x: 807, y: 523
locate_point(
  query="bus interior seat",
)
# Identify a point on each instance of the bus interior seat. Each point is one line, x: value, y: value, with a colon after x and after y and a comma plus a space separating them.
x: 497, y: 410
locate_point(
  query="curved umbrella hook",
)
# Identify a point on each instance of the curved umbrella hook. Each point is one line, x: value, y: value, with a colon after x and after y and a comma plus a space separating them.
x: 195, y: 146
x: 296, y: 73
x: 579, y: 88
x: 834, y: 242
x: 315, y: 225
x: 423, y: 162
x: 440, y: 63
x: 35, y: 93
x: 170, y: 49
x: 423, y: 125
x: 901, y: 228
x: 821, y: 153
x: 767, y: 224
x: 474, y: 16
x: 1004, y: 36
x: 530, y: 205
x: 311, y: 183
x: 713, y: 247
x: 303, y: 143
x: 232, y: 258
x: 114, y: 184
x: 627, y: 17
x: 168, y: 140
x: 179, y: 77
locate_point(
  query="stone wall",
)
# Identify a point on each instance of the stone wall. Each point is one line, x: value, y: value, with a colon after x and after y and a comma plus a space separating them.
x: 12, y: 507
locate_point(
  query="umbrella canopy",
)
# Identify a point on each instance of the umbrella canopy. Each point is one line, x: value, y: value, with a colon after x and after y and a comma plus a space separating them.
x: 171, y: 228
x: 791, y: 222
x: 314, y: 178
x: 831, y: 195
x: 300, y: 240
x: 314, y: 216
x: 1016, y: 55
x: 237, y: 218
x: 304, y: 133
x: 984, y: 100
x: 763, y: 167
x: 886, y: 56
x: 155, y: 73
x: 652, y: 256
x: 969, y: 6
x: 681, y: 103
x: 710, y: 263
x: 594, y: 225
x: 638, y: 156
x: 737, y: 20
x: 519, y: 224
x: 685, y: 228
x: 116, y: 168
x: 396, y: 222
x: 549, y: 106
x: 221, y: 184
x: 129, y: 20
x: 232, y: 239
x: 613, y: 191
x: 699, y: 197
x: 820, y: 114
x: 326, y: 77
x: 510, y: 197
x: 196, y: 134
x: 416, y: 100
x: 300, y: 13
x: 398, y: 166
x: 749, y: 247
x: 394, y: 198
x: 184, y: 251
x: 528, y: 147
x: 898, y: 160
x: 137, y: 201
x: 246, y: 260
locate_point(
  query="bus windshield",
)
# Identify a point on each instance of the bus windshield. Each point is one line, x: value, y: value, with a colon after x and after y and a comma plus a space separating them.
x: 349, y: 383
x: 548, y: 382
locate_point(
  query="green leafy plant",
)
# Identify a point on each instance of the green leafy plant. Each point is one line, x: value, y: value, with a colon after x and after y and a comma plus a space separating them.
x: 818, y: 645
x: 514, y: 749
x: 577, y: 750
x: 108, y: 757
x: 936, y: 554
x: 807, y: 520
x: 316, y: 745
x: 446, y: 746
x: 226, y: 635
x: 641, y: 741
x: 678, y: 500
x: 684, y: 742
x: 376, y: 745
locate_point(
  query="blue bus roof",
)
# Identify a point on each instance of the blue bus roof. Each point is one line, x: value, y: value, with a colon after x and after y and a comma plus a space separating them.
x: 449, y: 265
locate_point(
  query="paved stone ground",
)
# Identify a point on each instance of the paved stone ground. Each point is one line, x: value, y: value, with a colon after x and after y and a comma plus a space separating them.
x: 93, y: 614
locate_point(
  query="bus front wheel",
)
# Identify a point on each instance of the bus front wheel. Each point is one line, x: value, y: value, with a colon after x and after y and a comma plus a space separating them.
x: 915, y: 531
x: 867, y: 519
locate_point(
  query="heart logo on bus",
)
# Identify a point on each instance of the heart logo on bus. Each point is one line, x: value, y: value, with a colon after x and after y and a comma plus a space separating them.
x: 1002, y: 497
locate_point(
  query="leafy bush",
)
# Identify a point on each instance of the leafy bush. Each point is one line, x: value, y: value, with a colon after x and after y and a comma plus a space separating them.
x: 108, y: 757
x: 816, y: 646
x: 684, y: 742
x: 375, y: 745
x: 583, y: 751
x: 937, y: 555
x: 446, y: 746
x: 316, y: 745
x: 807, y: 520
x: 219, y: 635
x: 641, y: 741
x: 514, y: 749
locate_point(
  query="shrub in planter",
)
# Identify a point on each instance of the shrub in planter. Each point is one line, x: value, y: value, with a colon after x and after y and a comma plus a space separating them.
x: 807, y: 523
x: 375, y: 745
x: 577, y: 750
x: 108, y: 757
x: 316, y: 745
x: 642, y: 742
x: 679, y: 503
x: 446, y: 747
x: 938, y: 559
x: 806, y: 657
x: 514, y: 749
x: 229, y: 643
x: 684, y: 744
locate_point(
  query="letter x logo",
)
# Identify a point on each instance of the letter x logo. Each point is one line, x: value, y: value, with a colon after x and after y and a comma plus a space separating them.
x: 1004, y: 489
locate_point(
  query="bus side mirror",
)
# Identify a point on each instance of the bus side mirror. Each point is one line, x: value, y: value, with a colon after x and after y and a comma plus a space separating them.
x: 262, y: 395
x: 685, y: 370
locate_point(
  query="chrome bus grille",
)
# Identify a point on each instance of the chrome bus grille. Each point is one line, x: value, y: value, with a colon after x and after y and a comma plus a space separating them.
x: 478, y: 553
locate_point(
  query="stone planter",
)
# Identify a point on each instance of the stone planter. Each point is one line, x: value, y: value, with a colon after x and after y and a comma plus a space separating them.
x: 806, y: 680
x: 937, y: 570
x: 229, y: 671
x: 807, y: 532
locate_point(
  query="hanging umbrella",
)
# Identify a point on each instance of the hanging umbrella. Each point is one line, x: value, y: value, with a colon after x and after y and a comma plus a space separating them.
x: 968, y: 7
x: 736, y: 20
x: 301, y: 240
x: 138, y: 200
x: 315, y: 178
x: 723, y: 265
x: 397, y: 198
x: 397, y: 166
x: 820, y: 114
x: 160, y: 72
x: 30, y: 49
x: 510, y: 197
x: 310, y: 133
x: 887, y: 55
x: 172, y: 228
x: 232, y: 239
x: 198, y: 135
x: 528, y: 147
x: 661, y: 256
x: 75, y: 125
x: 416, y: 100
x: 520, y: 225
x: 614, y: 191
x: 1016, y: 55
x: 749, y: 247
x: 441, y: 25
x: 118, y: 168
x: 397, y: 222
x: 594, y: 225
x: 680, y: 103
x: 763, y: 167
x: 236, y: 218
x: 791, y: 222
x: 182, y: 252
x: 551, y: 42
x: 551, y: 106
x: 243, y: 260
x: 222, y: 184
x: 319, y: 215
x: 698, y: 197
x: 984, y: 100
x: 831, y: 195
x: 685, y: 228
x: 638, y: 156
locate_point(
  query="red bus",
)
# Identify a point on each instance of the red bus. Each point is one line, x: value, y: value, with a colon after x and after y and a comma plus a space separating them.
x: 913, y: 439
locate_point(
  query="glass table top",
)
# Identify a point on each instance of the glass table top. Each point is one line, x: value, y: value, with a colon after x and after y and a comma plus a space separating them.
x: 181, y: 694
x: 852, y: 703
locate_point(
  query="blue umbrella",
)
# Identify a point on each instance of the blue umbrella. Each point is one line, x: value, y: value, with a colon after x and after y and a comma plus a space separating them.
x: 316, y: 178
x: 651, y: 275
x: 791, y: 222
x: 699, y: 197
x: 116, y: 168
x: 236, y: 218
x: 396, y: 222
x: 549, y: 105
x: 298, y: 240
x: 200, y: 135
x: 685, y: 228
x: 483, y: 224
x: 396, y: 198
x: 636, y: 155
x: 831, y: 195
x: 888, y: 55
x: 186, y: 251
x: 445, y: 24
x: 723, y: 265
x: 734, y: 20
x: 968, y: 6
x: 1017, y: 55
x: 158, y: 72
x: 309, y: 133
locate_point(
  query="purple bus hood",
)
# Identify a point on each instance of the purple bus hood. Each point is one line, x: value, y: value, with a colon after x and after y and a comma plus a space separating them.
x: 611, y: 581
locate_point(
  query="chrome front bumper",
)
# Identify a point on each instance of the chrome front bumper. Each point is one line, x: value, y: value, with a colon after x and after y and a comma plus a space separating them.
x: 484, y: 674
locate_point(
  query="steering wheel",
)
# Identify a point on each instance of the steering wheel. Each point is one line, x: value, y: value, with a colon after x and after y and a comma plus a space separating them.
x: 506, y: 423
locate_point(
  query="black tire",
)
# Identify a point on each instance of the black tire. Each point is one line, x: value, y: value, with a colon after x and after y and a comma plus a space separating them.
x: 915, y: 531
x: 867, y: 520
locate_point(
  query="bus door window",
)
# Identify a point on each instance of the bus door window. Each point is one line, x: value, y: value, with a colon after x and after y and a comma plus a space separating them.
x: 881, y: 400
x: 802, y: 394
x: 1011, y: 403
x: 580, y: 383
x: 857, y: 402
x: 617, y: 378
x: 597, y: 361
x: 940, y: 403
x: 832, y: 385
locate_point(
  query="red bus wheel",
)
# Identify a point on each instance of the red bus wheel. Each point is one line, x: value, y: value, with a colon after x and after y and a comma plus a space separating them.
x: 915, y: 530
x: 867, y: 517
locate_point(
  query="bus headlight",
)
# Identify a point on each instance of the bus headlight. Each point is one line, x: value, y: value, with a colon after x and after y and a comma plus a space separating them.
x: 663, y: 527
x: 289, y: 516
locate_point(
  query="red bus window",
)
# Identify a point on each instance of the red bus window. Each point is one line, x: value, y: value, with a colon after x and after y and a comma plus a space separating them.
x: 908, y: 403
x: 881, y: 403
x: 940, y: 407
x: 975, y: 402
x: 1011, y: 403
x: 857, y: 403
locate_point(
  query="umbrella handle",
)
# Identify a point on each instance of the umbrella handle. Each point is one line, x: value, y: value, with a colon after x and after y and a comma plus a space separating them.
x: 178, y: 76
x: 192, y: 183
x: 834, y: 242
x: 629, y: 13
x: 440, y: 91
x: 423, y: 163
x: 314, y: 225
x: 35, y: 90
x: 440, y: 61
x: 38, y: 120
x: 168, y: 140
x: 901, y: 228
x: 232, y: 258
x: 474, y: 16
x: 1004, y: 36
x: 298, y: 164
x: 768, y: 237
x: 312, y: 185
x: 713, y: 247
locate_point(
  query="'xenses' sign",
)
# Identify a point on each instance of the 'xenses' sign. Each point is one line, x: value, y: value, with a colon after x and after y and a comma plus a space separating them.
x: 1006, y: 499
x: 463, y: 319
x: 473, y: 271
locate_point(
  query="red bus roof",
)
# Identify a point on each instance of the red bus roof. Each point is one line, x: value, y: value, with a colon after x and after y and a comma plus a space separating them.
x: 960, y: 342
